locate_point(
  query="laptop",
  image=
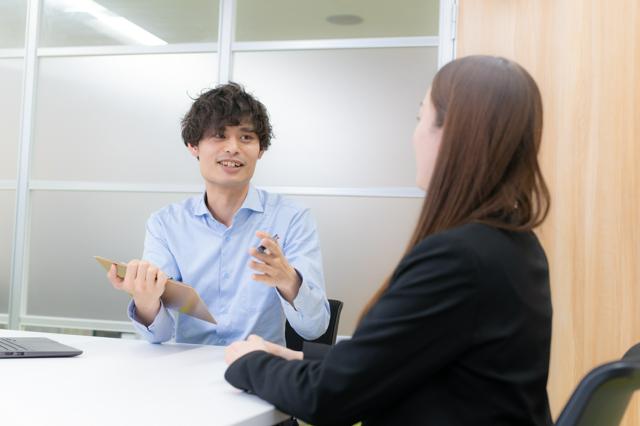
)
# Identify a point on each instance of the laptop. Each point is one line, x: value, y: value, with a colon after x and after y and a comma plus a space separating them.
x: 34, y: 347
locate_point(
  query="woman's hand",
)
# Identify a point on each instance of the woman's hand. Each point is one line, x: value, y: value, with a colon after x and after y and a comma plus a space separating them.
x: 283, y: 352
x: 257, y: 343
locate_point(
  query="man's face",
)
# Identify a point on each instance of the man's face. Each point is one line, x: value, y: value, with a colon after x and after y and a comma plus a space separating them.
x: 228, y: 158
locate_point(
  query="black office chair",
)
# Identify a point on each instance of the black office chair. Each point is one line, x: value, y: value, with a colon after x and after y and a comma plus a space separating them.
x: 602, y: 396
x: 295, y: 341
x: 633, y: 353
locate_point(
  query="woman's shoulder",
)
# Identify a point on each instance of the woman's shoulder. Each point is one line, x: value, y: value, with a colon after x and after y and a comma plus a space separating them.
x: 451, y: 250
x: 478, y: 238
x: 466, y: 232
x: 473, y: 257
x: 461, y: 239
x: 482, y: 245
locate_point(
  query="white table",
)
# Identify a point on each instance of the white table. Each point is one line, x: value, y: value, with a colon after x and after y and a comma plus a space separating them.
x: 125, y: 382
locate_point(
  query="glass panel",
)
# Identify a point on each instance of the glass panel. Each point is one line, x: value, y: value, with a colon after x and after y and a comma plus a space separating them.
x: 11, y: 71
x: 127, y: 22
x: 7, y: 206
x: 68, y: 228
x: 259, y: 20
x: 355, y: 262
x: 13, y: 16
x: 354, y: 110
x: 117, y: 118
x: 62, y: 240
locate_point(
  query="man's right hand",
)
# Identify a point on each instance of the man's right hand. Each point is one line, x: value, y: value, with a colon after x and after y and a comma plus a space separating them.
x: 145, y: 283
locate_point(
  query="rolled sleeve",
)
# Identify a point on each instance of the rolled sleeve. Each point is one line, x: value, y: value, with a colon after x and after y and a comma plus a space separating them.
x: 160, y: 330
x: 309, y: 314
x: 156, y: 249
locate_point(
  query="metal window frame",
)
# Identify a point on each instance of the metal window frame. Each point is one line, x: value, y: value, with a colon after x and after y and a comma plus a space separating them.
x: 226, y: 31
x: 8, y: 184
x: 225, y: 47
x: 322, y: 44
x: 18, y: 277
x: 90, y: 186
x: 12, y: 53
x: 447, y: 29
x: 76, y: 323
x: 127, y: 50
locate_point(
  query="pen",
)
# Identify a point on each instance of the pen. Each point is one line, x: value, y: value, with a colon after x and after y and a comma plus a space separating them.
x: 262, y: 248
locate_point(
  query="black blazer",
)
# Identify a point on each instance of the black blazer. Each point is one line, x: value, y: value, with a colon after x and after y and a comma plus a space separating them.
x: 461, y: 337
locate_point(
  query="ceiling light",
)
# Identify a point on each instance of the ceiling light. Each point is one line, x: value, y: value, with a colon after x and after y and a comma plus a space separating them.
x: 344, y: 19
x: 109, y: 23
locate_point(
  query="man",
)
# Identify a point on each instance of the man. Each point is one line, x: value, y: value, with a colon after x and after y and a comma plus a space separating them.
x: 209, y: 241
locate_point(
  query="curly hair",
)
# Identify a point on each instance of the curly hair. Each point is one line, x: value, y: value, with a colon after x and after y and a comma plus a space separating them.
x: 226, y: 105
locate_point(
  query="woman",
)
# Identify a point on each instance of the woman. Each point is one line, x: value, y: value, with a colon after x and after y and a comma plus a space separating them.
x: 460, y: 333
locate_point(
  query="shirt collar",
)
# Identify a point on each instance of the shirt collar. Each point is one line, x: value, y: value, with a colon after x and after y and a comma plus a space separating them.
x: 200, y: 207
x: 253, y: 201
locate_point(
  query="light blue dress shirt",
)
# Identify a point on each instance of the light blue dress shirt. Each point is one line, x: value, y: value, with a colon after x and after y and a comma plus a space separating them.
x: 189, y: 245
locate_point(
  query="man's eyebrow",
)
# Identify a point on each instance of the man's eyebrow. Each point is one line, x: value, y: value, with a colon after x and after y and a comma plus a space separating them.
x: 247, y: 129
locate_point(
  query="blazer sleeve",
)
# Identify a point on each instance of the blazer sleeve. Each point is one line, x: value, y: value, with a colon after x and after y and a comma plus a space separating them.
x: 312, y: 350
x: 422, y: 322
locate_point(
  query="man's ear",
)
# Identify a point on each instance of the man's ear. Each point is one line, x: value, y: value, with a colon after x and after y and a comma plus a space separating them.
x: 260, y: 153
x: 193, y: 150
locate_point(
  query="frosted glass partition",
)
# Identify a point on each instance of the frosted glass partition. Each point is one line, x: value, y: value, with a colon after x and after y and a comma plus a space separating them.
x: 309, y: 19
x: 11, y: 71
x: 13, y: 15
x: 362, y: 240
x: 7, y: 205
x: 126, y: 22
x: 117, y: 118
x: 341, y: 117
x: 68, y: 228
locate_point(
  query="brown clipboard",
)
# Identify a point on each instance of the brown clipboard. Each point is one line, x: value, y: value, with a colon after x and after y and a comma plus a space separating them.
x: 177, y: 295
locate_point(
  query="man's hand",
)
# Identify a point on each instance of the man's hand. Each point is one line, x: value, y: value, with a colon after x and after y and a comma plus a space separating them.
x: 257, y: 343
x: 145, y: 283
x: 273, y: 268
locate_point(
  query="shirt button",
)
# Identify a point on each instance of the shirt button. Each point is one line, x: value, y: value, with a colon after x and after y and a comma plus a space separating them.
x: 225, y: 275
x: 227, y: 239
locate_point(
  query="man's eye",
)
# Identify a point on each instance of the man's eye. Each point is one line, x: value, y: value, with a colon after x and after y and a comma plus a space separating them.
x: 247, y: 138
x: 218, y: 135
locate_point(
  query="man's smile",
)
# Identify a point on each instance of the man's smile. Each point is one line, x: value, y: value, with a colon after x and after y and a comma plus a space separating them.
x: 230, y: 163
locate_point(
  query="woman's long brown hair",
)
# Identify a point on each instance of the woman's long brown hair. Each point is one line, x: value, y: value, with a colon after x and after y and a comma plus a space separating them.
x: 487, y: 167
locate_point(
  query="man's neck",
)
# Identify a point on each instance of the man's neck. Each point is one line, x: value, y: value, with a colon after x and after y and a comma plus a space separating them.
x: 223, y: 203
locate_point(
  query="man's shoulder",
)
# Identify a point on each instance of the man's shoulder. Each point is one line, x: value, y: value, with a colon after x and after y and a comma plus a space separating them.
x: 177, y: 210
x: 279, y: 203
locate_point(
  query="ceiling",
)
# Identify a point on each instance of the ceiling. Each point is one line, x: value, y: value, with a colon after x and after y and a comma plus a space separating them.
x: 119, y: 22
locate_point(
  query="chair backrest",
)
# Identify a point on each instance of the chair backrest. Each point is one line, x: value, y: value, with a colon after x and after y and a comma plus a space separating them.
x: 602, y: 396
x: 295, y: 341
x: 633, y: 353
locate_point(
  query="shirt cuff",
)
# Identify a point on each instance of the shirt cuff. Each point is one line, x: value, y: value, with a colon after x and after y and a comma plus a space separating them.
x: 300, y: 302
x: 160, y: 330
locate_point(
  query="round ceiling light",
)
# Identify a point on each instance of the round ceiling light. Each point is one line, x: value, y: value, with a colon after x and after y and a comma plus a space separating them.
x: 344, y: 19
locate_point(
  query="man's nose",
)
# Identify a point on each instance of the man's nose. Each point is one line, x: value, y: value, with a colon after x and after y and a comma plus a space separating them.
x: 232, y: 144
